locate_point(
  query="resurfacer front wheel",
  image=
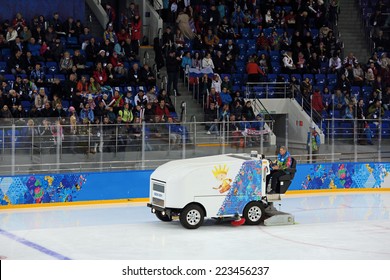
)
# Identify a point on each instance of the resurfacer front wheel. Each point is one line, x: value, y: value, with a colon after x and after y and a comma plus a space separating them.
x: 192, y: 216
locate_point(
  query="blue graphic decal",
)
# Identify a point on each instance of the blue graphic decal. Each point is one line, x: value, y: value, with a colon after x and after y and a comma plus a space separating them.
x: 245, y: 188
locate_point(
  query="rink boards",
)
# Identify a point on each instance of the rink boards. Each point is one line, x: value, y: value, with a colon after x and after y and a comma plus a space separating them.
x: 92, y: 187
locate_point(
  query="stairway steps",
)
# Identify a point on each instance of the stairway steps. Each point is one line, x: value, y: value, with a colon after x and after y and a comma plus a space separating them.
x: 351, y: 31
x: 95, y: 28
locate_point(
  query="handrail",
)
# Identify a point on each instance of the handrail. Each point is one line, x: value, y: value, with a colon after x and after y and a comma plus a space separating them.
x: 146, y: 57
x: 305, y: 105
x: 252, y: 85
x: 264, y: 109
x: 159, y: 5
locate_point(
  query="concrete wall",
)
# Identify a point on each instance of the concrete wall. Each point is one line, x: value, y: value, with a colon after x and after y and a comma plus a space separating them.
x: 298, y: 121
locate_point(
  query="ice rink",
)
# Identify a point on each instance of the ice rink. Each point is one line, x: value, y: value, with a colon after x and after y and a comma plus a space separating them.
x: 328, y: 227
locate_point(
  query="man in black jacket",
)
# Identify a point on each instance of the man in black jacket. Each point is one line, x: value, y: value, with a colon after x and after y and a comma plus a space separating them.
x: 172, y: 64
x: 16, y: 64
x: 70, y: 88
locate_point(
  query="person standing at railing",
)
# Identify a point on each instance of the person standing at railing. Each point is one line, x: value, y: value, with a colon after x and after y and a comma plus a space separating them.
x: 313, y: 143
x: 339, y: 101
x: 306, y: 89
x: 255, y: 74
x: 364, y: 130
x: 173, y: 64
x: 317, y: 105
x: 294, y: 86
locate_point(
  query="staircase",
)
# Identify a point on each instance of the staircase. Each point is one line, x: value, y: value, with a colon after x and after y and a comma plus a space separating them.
x: 92, y: 23
x: 351, y: 31
x: 194, y: 110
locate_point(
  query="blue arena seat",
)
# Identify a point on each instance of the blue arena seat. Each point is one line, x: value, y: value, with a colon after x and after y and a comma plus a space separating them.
x: 26, y: 105
x: 320, y: 79
x: 258, y: 92
x: 72, y: 42
x: 274, y: 56
x: 255, y: 33
x: 9, y: 77
x: 245, y: 33
x: 237, y: 79
x: 61, y: 77
x: 241, y: 69
x: 276, y: 69
x: 3, y: 67
x: 286, y: 77
x: 310, y: 76
x: 65, y: 104
x: 5, y: 53
x: 355, y: 90
x: 252, y: 46
x: 332, y: 79
x: 51, y: 67
x: 297, y: 76
x: 366, y: 90
x: 272, y: 77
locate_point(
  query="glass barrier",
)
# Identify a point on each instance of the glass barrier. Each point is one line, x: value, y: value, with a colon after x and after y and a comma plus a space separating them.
x: 45, y: 145
x: 54, y: 145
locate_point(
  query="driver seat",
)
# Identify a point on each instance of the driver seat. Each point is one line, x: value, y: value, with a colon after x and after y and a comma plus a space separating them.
x: 285, y: 180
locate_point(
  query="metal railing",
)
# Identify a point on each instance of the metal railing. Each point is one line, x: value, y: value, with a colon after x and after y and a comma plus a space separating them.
x: 51, y: 145
x: 267, y: 90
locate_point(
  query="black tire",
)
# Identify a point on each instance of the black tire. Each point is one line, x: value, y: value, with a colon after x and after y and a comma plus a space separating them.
x: 254, y: 213
x: 163, y: 217
x: 192, y: 216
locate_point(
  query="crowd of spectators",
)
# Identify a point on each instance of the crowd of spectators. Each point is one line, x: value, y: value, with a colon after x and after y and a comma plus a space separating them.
x: 58, y: 63
x: 55, y: 72
x: 295, y: 42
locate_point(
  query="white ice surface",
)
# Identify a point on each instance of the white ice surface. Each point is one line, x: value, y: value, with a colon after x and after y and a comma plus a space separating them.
x: 328, y: 227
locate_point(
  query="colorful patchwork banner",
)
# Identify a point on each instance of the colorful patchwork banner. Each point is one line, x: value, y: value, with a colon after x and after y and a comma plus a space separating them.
x: 77, y: 187
x: 346, y: 175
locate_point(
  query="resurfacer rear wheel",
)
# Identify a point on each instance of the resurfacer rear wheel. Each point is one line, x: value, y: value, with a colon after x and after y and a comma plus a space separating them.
x: 254, y: 213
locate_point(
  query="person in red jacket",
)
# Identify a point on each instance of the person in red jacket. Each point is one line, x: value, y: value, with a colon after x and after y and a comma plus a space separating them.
x: 99, y: 74
x: 317, y: 105
x: 117, y: 102
x: 162, y: 111
x: 215, y: 98
x: 254, y: 71
x: 136, y: 26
